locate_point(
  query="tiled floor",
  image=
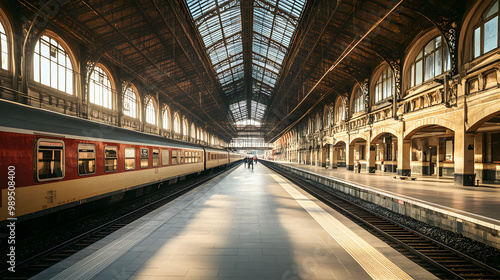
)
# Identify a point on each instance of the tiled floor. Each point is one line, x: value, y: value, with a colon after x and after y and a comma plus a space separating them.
x: 482, y: 203
x: 248, y: 224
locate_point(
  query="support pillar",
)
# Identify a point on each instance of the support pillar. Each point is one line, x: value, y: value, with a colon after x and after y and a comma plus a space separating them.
x: 349, y: 150
x: 403, y: 157
x: 370, y: 158
x: 478, y: 156
x: 464, y: 158
x: 438, y: 174
x: 333, y: 157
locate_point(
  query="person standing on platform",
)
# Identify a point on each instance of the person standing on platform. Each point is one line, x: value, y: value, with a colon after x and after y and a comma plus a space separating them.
x: 250, y: 162
x: 245, y: 161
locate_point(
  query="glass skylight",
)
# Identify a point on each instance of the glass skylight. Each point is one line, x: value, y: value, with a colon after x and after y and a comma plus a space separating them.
x: 220, y: 27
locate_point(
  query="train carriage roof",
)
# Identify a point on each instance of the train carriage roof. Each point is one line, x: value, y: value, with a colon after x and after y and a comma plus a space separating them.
x: 18, y: 116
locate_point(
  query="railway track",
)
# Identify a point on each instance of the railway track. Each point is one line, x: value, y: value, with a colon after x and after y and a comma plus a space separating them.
x: 42, y: 261
x: 448, y: 261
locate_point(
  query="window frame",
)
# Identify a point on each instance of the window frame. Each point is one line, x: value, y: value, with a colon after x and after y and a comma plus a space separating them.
x: 358, y: 95
x: 480, y: 24
x: 78, y: 158
x: 383, y: 82
x: 106, y: 88
x: 421, y: 57
x: 151, y: 112
x: 37, y: 65
x: 163, y: 157
x: 125, y: 158
x: 63, y: 159
x: 143, y: 157
x: 5, y: 52
x: 105, y: 158
x: 174, y: 156
x: 133, y: 101
x: 157, y: 157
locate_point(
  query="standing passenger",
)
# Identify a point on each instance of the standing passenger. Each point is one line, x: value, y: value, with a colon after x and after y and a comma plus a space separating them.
x: 245, y: 161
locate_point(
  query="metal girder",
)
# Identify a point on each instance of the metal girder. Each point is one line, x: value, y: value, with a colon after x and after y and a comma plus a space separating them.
x: 147, y: 58
x: 247, y: 14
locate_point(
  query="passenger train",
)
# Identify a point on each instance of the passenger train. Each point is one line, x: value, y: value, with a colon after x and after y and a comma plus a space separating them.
x: 51, y: 161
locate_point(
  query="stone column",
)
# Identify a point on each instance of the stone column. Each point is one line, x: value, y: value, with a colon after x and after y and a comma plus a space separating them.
x: 478, y: 156
x: 333, y: 156
x: 464, y: 158
x: 370, y: 158
x: 349, y: 150
x: 437, y: 160
x: 403, y: 157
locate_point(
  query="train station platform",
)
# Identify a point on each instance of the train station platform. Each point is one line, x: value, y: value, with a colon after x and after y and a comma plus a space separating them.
x: 246, y: 224
x: 472, y: 211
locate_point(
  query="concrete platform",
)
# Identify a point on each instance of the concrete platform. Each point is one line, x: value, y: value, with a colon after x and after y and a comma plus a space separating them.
x: 471, y: 211
x: 248, y: 224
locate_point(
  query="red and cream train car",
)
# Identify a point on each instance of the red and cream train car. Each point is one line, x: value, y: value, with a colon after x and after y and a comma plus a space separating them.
x: 55, y: 161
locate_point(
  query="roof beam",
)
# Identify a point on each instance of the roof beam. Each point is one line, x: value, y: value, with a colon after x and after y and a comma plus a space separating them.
x: 247, y: 30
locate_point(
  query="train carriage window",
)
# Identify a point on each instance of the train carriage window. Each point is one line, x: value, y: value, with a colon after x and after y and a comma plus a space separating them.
x: 86, y: 159
x: 129, y: 158
x: 144, y: 157
x: 110, y: 159
x: 181, y: 160
x: 174, y: 157
x: 156, y: 157
x: 165, y: 157
x: 50, y: 163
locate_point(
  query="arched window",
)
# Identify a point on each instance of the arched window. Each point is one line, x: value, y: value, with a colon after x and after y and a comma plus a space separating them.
x: 339, y: 110
x: 430, y: 62
x: 130, y: 103
x: 327, y: 117
x: 317, y: 121
x: 193, y: 131
x: 177, y: 124
x: 384, y: 87
x: 185, y: 127
x: 100, y: 91
x: 166, y: 119
x: 359, y: 101
x: 486, y: 31
x: 52, y: 65
x: 4, y: 48
x: 150, y: 111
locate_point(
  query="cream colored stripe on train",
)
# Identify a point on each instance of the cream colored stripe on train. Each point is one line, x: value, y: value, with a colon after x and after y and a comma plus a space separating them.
x: 372, y: 261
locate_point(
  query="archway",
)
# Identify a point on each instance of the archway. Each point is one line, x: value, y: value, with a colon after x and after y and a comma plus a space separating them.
x: 358, y: 150
x: 431, y: 151
x: 385, y: 152
x: 486, y: 146
x: 339, y: 155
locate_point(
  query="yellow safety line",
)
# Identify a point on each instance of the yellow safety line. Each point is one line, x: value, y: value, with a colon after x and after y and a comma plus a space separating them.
x: 372, y: 261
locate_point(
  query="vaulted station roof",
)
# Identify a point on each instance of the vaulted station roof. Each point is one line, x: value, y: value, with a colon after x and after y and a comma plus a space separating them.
x: 231, y: 63
x: 246, y: 42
